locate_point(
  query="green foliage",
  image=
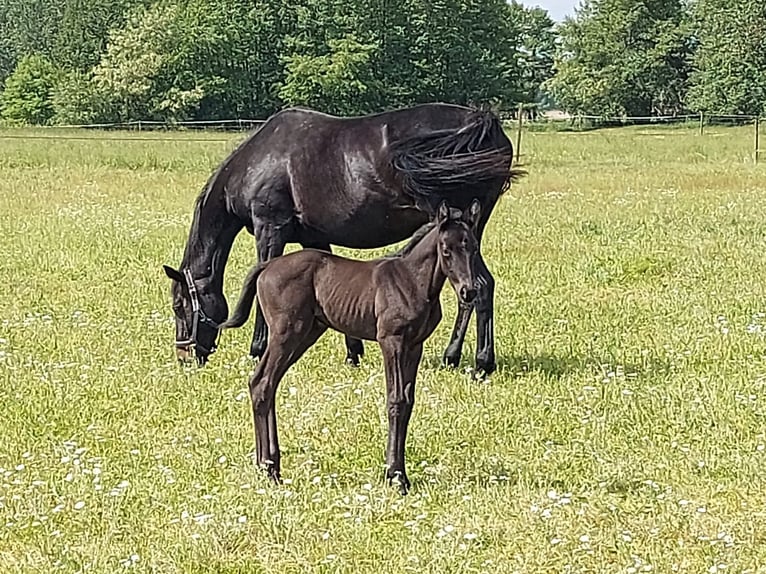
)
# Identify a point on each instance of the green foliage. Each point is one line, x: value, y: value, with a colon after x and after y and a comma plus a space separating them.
x: 730, y: 64
x: 465, y: 51
x: 537, y: 46
x: 623, y: 57
x: 27, y: 95
x: 83, y: 30
x: 336, y: 82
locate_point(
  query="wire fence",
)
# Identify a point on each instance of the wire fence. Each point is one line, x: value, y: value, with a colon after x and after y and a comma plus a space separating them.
x: 583, y: 122
x: 140, y: 130
x: 518, y: 121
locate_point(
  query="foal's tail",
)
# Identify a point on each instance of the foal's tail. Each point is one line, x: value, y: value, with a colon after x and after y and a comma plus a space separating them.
x: 246, y: 299
x: 438, y: 164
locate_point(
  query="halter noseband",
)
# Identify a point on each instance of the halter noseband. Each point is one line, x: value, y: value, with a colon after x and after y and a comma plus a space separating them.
x: 198, y: 316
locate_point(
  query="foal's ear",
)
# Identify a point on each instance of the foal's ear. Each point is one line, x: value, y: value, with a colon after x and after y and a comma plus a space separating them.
x: 442, y: 214
x: 471, y: 216
x: 173, y: 274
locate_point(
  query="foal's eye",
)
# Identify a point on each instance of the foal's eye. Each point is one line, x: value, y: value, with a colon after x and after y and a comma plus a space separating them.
x: 446, y: 254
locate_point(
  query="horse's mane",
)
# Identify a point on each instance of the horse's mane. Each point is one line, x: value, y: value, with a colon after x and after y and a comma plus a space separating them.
x: 420, y: 234
x: 210, y: 187
x: 416, y: 238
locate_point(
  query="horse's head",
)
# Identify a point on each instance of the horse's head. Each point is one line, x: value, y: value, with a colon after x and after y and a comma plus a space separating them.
x: 459, y: 249
x: 199, y: 310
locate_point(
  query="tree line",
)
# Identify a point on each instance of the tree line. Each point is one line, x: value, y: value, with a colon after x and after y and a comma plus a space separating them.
x: 86, y: 61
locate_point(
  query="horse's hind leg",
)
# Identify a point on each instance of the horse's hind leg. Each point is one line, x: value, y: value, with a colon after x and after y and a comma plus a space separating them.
x: 354, y: 347
x: 270, y: 243
x: 273, y: 442
x: 284, y: 348
x: 485, y: 313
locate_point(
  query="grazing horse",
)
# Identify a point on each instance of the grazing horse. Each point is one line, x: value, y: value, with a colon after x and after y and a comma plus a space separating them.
x: 359, y: 182
x: 392, y: 300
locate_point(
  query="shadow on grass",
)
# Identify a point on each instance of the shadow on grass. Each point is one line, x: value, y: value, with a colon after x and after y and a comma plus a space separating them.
x: 553, y: 366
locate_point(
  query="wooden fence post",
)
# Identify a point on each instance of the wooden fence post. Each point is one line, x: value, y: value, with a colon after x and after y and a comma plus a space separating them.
x: 518, y: 135
x: 757, y: 137
x: 702, y: 123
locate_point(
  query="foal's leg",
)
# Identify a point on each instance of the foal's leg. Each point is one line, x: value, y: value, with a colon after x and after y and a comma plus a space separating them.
x: 286, y: 345
x: 270, y: 243
x: 354, y: 347
x: 401, y: 362
x: 273, y: 446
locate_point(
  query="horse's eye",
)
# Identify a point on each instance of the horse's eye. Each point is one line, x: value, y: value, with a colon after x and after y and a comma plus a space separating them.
x: 446, y: 254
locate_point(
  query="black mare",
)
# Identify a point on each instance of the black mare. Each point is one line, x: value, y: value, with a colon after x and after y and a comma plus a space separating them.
x: 359, y: 182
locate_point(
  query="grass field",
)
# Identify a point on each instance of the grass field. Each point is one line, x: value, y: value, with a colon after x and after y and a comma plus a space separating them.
x: 625, y: 430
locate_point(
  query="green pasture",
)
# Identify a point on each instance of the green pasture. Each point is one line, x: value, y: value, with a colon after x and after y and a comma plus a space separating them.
x: 625, y: 430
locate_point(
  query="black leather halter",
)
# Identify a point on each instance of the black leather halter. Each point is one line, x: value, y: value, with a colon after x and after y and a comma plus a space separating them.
x: 198, y: 316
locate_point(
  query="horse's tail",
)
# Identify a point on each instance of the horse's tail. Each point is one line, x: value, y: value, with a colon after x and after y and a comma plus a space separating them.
x: 435, y: 165
x: 246, y: 299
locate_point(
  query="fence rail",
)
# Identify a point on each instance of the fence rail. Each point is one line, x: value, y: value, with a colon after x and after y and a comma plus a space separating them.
x: 516, y: 119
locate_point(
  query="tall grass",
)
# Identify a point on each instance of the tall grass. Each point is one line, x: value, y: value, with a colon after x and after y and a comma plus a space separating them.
x: 623, y: 432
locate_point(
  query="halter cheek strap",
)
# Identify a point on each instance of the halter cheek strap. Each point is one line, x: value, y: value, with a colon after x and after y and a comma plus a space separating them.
x: 198, y: 316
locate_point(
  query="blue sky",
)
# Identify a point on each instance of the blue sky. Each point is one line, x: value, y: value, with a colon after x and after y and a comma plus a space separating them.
x: 556, y: 8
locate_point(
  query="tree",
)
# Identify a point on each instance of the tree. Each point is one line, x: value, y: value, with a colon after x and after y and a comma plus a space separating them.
x: 729, y: 75
x: 623, y: 57
x: 536, y: 48
x: 465, y: 52
x: 83, y: 30
x: 337, y: 82
x: 27, y: 95
x: 200, y: 58
x: 27, y: 27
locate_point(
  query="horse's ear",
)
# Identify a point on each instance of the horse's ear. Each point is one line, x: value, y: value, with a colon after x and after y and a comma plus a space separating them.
x: 472, y: 214
x: 173, y: 274
x: 442, y: 214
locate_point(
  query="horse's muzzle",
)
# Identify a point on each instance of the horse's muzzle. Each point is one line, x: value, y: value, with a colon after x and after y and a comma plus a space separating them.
x: 468, y: 295
x: 184, y: 354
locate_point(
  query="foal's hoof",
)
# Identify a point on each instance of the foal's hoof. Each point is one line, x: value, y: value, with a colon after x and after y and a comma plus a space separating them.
x: 273, y: 474
x: 399, y: 479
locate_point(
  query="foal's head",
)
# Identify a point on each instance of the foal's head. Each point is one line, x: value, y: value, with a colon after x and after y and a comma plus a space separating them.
x: 458, y: 249
x: 199, y: 311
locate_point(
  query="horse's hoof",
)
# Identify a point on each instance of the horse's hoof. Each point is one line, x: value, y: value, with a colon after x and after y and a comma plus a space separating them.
x: 451, y: 361
x: 399, y: 479
x: 353, y: 360
x: 485, y: 366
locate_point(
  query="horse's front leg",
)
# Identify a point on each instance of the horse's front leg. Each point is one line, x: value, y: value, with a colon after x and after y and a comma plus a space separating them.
x: 485, y: 324
x: 485, y: 321
x: 454, y: 349
x: 485, y: 318
x: 269, y: 243
x: 401, y: 363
